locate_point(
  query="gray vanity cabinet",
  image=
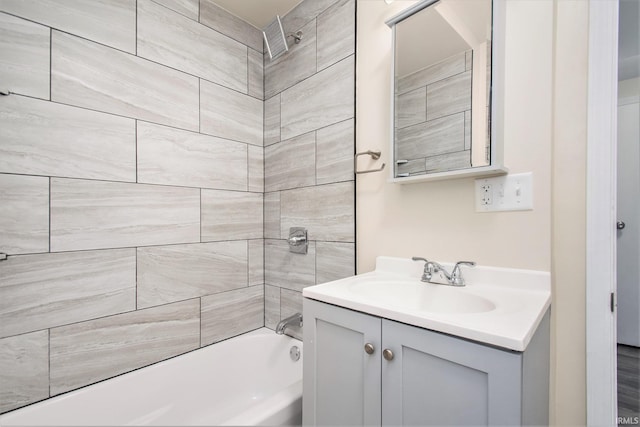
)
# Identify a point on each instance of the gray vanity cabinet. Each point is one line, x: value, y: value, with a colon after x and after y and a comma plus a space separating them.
x: 415, y: 376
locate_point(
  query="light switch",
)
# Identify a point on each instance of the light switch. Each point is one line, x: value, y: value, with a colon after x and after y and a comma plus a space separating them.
x: 505, y: 193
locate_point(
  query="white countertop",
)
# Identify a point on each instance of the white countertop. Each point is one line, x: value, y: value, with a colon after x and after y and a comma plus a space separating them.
x: 498, y: 306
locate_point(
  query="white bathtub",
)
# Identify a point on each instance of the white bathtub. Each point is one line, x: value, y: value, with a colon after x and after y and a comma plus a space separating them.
x: 246, y: 380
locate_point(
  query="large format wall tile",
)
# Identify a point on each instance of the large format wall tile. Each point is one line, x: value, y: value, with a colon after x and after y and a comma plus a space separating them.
x: 272, y: 120
x: 24, y: 63
x: 449, y: 161
x: 179, y: 272
x: 188, y: 8
x: 304, y: 12
x: 290, y: 304
x: 330, y: 92
x: 230, y: 114
x: 411, y: 107
x: 449, y: 67
x: 336, y: 33
x: 169, y: 38
x: 94, y: 215
x: 90, y: 75
x: 256, y: 262
x: 232, y: 313
x: 256, y: 169
x: 86, y: 352
x: 24, y: 214
x: 444, y: 135
x: 291, y: 163
x: 272, y: 215
x: 449, y: 96
x: 334, y: 153
x: 334, y: 261
x: 231, y: 215
x: 48, y: 290
x: 24, y: 369
x: 327, y: 211
x: 110, y: 22
x: 294, y: 66
x: 44, y: 138
x: 286, y: 269
x: 271, y: 306
x: 220, y: 20
x: 171, y: 156
x: 256, y: 74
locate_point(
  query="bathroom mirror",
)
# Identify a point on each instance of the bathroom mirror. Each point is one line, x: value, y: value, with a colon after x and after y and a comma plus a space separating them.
x: 445, y: 102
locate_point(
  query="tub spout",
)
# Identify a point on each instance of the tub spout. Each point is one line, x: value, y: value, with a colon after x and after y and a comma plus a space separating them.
x: 294, y: 320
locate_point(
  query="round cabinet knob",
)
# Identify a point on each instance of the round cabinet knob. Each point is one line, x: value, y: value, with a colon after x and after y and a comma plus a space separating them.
x: 620, y: 225
x: 387, y: 354
x: 369, y: 348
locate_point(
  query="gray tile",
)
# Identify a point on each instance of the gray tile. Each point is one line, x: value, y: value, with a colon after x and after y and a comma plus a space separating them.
x: 449, y: 96
x: 449, y: 161
x: 411, y: 107
x: 109, y: 22
x: 220, y: 20
x: 47, y: 290
x: 256, y: 74
x: 334, y: 152
x: 95, y: 214
x: 172, y: 156
x: 44, y: 138
x: 272, y: 215
x: 304, y: 12
x: 256, y: 169
x: 467, y: 130
x: 256, y: 262
x: 468, y: 57
x: 290, y: 304
x: 188, y: 8
x: 24, y: 369
x: 24, y: 64
x: 229, y: 114
x: 413, y: 167
x: 434, y: 73
x: 290, y: 163
x: 431, y: 138
x: 271, y: 306
x: 232, y: 313
x: 86, y: 352
x: 330, y: 91
x: 24, y: 214
x: 336, y: 33
x: 294, y: 66
x: 90, y: 75
x: 288, y: 270
x: 327, y: 211
x: 178, y: 272
x: 272, y: 120
x: 334, y: 261
x: 169, y: 38
x: 231, y: 215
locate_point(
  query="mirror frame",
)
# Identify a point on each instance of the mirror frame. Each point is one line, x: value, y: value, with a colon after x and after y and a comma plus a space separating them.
x: 497, y: 99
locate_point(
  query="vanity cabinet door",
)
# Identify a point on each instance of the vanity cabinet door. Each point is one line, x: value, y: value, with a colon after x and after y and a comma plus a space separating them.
x: 436, y: 379
x: 341, y: 379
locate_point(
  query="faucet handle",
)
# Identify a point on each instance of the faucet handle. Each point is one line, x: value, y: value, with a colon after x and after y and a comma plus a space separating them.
x: 417, y: 258
x: 456, y: 274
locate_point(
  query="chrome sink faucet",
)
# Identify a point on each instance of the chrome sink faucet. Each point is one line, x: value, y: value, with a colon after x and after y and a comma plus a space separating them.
x: 436, y: 273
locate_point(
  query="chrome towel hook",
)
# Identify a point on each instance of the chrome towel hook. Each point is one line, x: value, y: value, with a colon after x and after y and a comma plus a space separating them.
x: 375, y: 155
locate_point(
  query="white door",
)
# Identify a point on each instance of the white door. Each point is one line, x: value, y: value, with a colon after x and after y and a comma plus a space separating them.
x: 629, y: 213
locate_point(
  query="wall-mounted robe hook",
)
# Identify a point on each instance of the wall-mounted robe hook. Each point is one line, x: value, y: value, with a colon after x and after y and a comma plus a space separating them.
x: 375, y: 155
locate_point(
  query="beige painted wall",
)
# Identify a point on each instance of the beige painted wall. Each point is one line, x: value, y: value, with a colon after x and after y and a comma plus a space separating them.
x: 438, y: 219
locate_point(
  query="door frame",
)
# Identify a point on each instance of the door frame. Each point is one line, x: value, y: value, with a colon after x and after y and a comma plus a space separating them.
x: 601, y: 378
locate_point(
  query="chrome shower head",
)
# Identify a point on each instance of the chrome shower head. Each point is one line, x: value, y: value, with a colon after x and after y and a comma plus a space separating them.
x: 275, y: 39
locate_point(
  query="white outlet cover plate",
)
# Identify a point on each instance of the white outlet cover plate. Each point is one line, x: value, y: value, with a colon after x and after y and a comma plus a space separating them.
x: 512, y: 192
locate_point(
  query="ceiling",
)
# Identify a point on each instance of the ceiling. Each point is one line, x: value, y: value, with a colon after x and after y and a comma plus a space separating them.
x: 257, y: 12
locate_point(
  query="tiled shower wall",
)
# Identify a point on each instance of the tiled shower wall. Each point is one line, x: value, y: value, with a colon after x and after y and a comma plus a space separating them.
x: 131, y: 187
x: 309, y: 149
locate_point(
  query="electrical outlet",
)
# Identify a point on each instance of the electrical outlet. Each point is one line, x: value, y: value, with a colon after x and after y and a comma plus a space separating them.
x: 504, y: 193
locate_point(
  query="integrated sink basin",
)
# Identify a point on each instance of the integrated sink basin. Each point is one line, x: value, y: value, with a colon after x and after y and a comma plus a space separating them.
x: 419, y: 296
x: 498, y: 306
